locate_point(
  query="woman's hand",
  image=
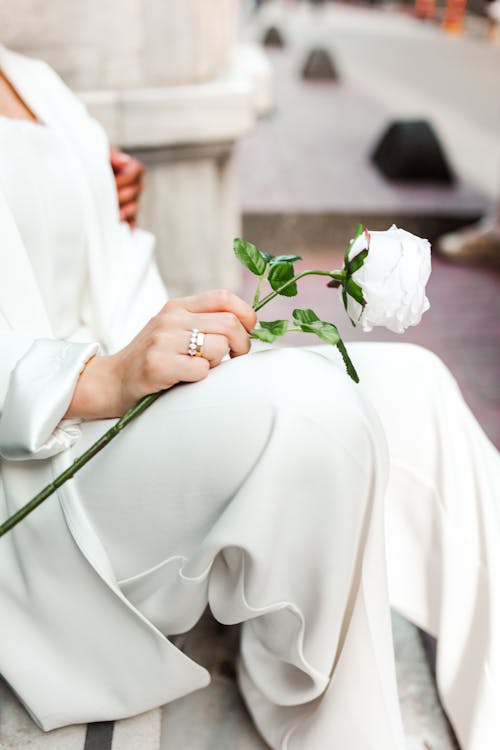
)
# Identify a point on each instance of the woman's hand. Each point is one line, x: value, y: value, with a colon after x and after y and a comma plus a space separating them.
x: 157, y: 357
x: 129, y: 174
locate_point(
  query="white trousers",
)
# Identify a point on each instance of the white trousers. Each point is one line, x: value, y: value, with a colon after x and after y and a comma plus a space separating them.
x: 443, y: 528
x: 261, y: 491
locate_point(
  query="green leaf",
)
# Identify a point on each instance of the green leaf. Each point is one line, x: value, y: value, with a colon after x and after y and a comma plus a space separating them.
x: 351, y: 370
x: 305, y: 316
x: 267, y: 256
x: 250, y: 256
x: 263, y: 335
x: 356, y: 263
x: 276, y: 327
x: 355, y: 291
x: 359, y: 231
x: 308, y: 328
x: 279, y: 274
x: 285, y: 258
x: 344, y: 300
x: 328, y: 332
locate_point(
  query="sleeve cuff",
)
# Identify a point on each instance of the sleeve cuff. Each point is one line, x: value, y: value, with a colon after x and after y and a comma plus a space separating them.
x: 39, y: 393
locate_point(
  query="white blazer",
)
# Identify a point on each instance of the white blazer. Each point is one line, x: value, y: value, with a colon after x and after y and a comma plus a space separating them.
x: 71, y: 645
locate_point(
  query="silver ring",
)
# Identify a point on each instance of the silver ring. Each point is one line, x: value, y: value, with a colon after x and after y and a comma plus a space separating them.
x: 196, y: 341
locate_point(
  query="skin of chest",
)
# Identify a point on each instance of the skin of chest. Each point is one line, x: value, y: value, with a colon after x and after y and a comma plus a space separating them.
x: 11, y: 104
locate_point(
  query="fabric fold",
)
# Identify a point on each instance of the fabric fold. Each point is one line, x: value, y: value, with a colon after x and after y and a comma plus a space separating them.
x: 38, y: 395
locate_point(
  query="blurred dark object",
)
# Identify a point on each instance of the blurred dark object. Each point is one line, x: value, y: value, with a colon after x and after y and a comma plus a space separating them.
x: 273, y: 37
x: 410, y: 150
x: 319, y: 66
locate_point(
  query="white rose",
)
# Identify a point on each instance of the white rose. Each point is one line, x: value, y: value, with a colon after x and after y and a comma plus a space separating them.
x: 392, y: 278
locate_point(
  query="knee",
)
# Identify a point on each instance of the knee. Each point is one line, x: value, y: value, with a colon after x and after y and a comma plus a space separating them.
x: 319, y: 393
x: 420, y: 355
x: 305, y: 388
x: 398, y: 365
x: 423, y: 364
x: 307, y: 378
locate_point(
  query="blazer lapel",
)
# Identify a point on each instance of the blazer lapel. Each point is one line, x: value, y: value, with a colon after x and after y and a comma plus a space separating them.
x: 27, y: 312
x: 87, y: 146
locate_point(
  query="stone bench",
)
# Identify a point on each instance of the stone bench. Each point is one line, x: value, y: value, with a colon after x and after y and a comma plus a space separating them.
x: 19, y: 732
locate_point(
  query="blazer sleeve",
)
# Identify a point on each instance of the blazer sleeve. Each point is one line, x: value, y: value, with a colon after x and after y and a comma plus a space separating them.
x: 37, y: 381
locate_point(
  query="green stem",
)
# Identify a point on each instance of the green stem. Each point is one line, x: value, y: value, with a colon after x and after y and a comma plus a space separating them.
x: 337, y: 275
x: 77, y: 464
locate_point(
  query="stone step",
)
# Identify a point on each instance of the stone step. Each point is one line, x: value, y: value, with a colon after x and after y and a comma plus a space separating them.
x: 313, y: 231
x: 19, y: 732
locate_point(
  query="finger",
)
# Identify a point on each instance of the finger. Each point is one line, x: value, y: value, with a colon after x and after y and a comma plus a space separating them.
x: 129, y: 194
x: 224, y: 324
x: 215, y: 347
x: 165, y: 369
x: 118, y: 158
x: 129, y: 212
x: 129, y: 174
x: 221, y: 300
x: 190, y: 369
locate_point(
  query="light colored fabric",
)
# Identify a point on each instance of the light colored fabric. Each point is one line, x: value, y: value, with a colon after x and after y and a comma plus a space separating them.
x: 63, y: 615
x: 122, y: 288
x: 210, y: 519
x: 262, y: 495
x: 443, y: 528
x: 49, y: 370
x: 36, y: 172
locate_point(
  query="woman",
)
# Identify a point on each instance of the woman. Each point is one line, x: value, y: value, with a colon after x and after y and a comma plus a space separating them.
x: 246, y: 490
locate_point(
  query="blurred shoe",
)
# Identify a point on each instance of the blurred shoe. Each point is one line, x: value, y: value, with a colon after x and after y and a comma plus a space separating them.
x: 477, y: 245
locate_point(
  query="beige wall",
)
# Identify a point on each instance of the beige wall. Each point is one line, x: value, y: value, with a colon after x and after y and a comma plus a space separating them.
x: 99, y: 44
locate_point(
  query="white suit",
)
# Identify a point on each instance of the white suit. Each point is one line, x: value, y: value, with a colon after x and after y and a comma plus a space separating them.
x: 281, y: 529
x: 30, y: 618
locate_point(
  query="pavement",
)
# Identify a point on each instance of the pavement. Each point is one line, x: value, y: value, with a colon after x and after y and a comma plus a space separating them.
x: 18, y: 730
x: 316, y: 141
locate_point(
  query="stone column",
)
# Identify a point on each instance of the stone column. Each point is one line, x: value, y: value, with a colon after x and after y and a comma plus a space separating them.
x: 170, y: 83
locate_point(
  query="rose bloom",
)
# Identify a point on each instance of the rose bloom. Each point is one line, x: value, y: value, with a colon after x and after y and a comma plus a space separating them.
x: 393, y: 278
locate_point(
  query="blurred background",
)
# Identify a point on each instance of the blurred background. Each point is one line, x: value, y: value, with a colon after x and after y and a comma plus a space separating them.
x: 287, y: 123
x: 359, y: 94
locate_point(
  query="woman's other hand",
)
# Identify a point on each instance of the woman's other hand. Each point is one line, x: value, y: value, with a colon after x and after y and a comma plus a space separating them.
x: 157, y: 358
x: 129, y: 175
